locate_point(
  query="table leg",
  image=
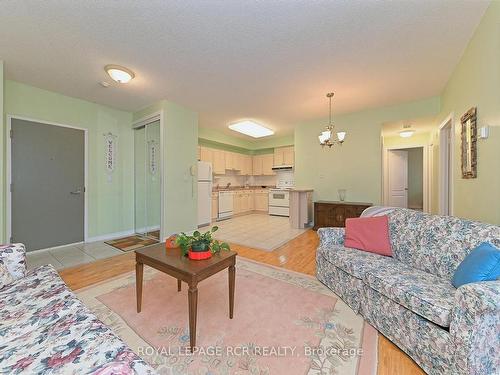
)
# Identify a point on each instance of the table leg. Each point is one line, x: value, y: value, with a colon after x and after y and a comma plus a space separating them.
x: 193, y: 302
x: 232, y: 276
x: 179, y: 285
x: 139, y: 267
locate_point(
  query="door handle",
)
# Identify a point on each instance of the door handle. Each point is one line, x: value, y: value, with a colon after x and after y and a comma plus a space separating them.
x: 76, y: 192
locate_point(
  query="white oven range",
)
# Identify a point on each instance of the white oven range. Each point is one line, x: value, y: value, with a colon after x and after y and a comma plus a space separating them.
x: 279, y: 202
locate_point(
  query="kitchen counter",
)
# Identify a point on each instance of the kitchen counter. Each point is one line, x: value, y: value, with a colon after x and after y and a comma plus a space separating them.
x: 300, y: 207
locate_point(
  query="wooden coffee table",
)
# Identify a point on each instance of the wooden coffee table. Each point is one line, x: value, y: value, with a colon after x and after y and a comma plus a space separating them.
x: 171, y: 262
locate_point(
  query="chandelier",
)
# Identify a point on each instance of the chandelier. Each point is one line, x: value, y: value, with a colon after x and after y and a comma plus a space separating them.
x: 326, y: 137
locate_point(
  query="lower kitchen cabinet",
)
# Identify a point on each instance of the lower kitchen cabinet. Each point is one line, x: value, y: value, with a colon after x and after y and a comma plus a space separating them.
x: 261, y: 200
x: 215, y: 206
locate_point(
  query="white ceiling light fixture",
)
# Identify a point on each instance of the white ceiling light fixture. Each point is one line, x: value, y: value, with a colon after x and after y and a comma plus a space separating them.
x: 119, y: 73
x: 251, y: 128
x: 326, y: 137
x: 407, y: 132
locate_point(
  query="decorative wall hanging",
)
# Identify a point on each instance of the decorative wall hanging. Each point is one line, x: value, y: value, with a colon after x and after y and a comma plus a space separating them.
x: 469, y: 144
x: 110, y: 141
x: 153, y: 164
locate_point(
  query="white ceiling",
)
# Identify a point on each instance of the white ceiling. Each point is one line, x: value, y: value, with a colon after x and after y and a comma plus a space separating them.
x: 272, y: 61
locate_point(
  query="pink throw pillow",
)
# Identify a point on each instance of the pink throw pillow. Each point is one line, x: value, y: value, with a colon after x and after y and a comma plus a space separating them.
x: 369, y: 234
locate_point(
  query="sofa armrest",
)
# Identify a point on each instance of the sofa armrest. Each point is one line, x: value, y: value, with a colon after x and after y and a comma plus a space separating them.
x: 475, y: 328
x: 331, y: 236
x: 13, y: 256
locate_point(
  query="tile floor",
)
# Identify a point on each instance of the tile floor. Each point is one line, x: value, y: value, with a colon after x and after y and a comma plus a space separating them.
x: 259, y: 231
x: 72, y: 255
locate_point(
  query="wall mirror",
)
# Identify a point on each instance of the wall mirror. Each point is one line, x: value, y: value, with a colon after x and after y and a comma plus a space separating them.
x: 469, y: 139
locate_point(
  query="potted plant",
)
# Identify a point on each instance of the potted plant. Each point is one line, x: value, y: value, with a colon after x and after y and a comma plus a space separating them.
x: 200, y: 245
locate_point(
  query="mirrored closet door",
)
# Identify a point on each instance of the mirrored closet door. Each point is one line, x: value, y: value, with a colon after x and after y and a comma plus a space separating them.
x: 147, y: 180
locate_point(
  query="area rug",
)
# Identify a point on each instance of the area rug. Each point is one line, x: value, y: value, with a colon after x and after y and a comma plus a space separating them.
x: 284, y: 323
x: 131, y: 242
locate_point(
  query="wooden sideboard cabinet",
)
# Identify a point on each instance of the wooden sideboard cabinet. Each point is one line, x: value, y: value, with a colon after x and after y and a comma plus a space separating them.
x: 333, y: 214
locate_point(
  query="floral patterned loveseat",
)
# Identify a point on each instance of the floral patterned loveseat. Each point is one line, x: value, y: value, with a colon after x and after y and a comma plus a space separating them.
x: 45, y: 329
x: 409, y: 297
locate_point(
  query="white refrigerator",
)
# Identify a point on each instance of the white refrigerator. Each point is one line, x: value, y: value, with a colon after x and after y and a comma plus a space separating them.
x: 204, y: 193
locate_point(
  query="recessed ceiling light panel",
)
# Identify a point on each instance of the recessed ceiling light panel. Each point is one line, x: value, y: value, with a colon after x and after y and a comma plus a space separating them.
x: 251, y: 128
x: 119, y: 73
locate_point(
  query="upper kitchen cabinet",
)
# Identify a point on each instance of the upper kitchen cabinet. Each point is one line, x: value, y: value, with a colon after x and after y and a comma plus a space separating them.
x: 229, y: 160
x: 263, y: 165
x: 219, y: 161
x: 205, y: 154
x: 247, y: 170
x: 267, y: 164
x: 284, y: 156
x: 257, y: 165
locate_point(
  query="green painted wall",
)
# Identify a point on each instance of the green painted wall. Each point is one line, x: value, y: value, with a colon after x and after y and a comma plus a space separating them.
x: 180, y: 137
x: 416, y: 139
x: 110, y: 204
x: 475, y: 82
x: 356, y: 165
x: 2, y: 162
x: 217, y: 136
x: 230, y: 143
x: 223, y: 146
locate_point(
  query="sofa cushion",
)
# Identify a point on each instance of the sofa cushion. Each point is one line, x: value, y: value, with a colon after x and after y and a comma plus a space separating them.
x: 423, y: 293
x: 352, y: 261
x: 5, y: 276
x: 369, y: 234
x: 13, y: 257
x: 436, y: 244
x: 482, y: 264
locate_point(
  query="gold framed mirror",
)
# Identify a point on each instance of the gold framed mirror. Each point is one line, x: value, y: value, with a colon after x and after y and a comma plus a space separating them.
x: 469, y: 141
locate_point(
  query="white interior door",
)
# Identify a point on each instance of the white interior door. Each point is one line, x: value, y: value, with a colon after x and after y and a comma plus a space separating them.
x: 398, y: 178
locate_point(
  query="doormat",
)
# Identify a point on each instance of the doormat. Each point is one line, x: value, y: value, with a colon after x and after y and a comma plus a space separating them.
x: 132, y: 242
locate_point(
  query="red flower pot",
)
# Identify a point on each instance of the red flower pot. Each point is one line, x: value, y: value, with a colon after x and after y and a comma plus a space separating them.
x: 199, y: 255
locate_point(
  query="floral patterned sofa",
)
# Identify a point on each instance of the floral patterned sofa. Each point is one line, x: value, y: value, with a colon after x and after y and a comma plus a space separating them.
x: 409, y: 297
x: 45, y: 329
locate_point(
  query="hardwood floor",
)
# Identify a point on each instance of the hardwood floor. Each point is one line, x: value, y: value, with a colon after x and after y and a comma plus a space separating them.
x: 297, y: 255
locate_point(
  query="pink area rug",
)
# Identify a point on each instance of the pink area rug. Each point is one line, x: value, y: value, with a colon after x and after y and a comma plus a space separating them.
x: 284, y: 323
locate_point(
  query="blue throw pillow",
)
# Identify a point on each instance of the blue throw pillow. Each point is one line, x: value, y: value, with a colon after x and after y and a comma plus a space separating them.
x: 482, y: 264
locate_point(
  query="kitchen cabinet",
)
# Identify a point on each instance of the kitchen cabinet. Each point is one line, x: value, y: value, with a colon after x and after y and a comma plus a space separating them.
x: 263, y: 165
x: 261, y: 201
x: 236, y: 203
x: 284, y: 156
x: 238, y: 163
x: 247, y: 166
x: 228, y: 159
x: 206, y: 154
x: 218, y: 162
x: 267, y: 164
x: 251, y: 199
x: 257, y: 165
x: 215, y: 206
